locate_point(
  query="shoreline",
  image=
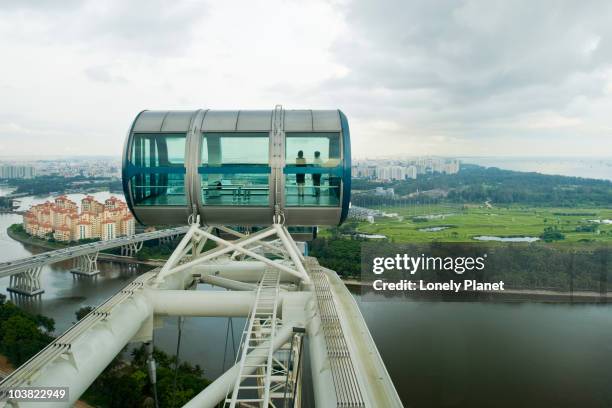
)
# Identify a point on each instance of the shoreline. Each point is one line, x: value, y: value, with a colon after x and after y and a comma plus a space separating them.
x: 101, y: 255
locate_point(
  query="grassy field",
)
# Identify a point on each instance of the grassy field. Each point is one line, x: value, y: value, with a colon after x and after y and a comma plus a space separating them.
x: 466, y: 222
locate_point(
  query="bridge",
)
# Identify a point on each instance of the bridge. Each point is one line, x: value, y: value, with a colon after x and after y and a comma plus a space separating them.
x: 285, y: 297
x: 25, y: 272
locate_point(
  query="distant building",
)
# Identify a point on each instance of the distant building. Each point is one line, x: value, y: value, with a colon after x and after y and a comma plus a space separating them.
x: 62, y: 220
x: 17, y: 172
x: 411, y: 172
x: 387, y: 192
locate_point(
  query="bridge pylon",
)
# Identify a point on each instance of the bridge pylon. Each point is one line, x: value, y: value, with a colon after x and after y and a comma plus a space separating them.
x: 86, y: 265
x: 132, y: 248
x: 26, y: 283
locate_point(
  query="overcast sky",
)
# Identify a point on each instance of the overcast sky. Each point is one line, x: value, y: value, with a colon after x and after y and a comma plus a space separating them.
x: 414, y: 77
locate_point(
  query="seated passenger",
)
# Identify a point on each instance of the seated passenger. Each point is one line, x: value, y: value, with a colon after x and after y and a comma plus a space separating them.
x: 300, y: 178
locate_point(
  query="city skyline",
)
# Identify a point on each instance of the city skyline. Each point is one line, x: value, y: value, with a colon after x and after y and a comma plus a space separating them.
x: 468, y: 78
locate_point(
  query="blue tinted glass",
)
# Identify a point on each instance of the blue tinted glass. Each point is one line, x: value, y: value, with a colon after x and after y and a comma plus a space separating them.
x: 235, y: 189
x: 235, y: 148
x: 312, y: 151
x: 167, y: 153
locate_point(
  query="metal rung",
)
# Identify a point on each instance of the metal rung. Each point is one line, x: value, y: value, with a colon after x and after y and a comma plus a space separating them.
x: 248, y: 400
x: 258, y: 335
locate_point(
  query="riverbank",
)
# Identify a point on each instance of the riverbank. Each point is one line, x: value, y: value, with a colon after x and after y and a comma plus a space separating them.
x: 51, y: 246
x: 511, y: 295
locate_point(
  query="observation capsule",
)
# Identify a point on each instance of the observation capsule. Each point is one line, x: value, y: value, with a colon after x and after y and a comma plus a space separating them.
x: 237, y: 167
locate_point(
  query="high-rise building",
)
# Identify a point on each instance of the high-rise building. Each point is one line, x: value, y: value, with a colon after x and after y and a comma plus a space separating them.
x: 62, y: 220
x: 17, y: 172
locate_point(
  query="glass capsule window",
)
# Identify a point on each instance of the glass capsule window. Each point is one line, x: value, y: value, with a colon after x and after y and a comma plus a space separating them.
x: 234, y: 169
x: 313, y: 169
x: 157, y: 169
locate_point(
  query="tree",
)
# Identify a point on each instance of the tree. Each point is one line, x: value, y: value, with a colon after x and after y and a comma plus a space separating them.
x: 551, y: 234
x: 21, y: 339
x: 82, y: 312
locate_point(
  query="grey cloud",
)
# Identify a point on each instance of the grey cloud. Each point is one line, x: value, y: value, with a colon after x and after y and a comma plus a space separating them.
x: 501, y: 56
x: 103, y: 74
x: 150, y: 27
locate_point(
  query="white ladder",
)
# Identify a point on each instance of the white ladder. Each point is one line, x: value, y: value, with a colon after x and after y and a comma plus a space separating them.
x: 257, y: 346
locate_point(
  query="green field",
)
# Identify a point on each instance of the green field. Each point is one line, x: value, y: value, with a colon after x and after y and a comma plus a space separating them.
x: 468, y: 221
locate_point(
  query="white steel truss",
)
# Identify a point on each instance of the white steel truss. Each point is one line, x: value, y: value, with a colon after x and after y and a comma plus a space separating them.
x: 268, y: 280
x: 188, y: 252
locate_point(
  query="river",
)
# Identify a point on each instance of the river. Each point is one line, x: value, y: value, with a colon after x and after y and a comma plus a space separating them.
x: 439, y: 354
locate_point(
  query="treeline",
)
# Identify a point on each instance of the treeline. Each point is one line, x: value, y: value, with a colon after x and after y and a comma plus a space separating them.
x: 534, y: 266
x: 58, y: 184
x: 478, y: 184
x: 22, y: 334
x: 341, y: 255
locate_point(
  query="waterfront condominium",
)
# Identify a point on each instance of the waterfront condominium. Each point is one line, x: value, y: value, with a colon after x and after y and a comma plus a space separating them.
x: 62, y: 220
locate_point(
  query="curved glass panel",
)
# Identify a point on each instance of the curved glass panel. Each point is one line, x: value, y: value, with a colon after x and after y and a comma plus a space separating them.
x: 234, y: 169
x: 156, y: 169
x: 312, y: 169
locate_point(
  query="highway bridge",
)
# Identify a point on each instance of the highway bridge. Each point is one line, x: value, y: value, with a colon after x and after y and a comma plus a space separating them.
x: 25, y: 272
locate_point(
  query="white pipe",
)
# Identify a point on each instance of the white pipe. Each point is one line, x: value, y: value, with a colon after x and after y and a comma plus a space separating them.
x: 227, y: 283
x: 217, y: 391
x: 177, y: 254
x: 293, y: 244
x: 292, y: 252
x: 231, y: 266
x: 92, y: 351
x: 245, y: 271
x: 201, y: 303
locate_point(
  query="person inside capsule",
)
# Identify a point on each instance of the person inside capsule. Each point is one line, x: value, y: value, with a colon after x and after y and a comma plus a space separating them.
x: 316, y: 178
x: 300, y: 178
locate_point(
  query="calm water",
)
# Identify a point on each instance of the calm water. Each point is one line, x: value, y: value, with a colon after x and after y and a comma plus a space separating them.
x: 587, y: 167
x: 439, y: 354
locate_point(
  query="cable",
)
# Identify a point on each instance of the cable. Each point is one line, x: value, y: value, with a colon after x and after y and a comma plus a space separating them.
x: 152, y: 370
x: 227, y: 327
x: 178, y: 350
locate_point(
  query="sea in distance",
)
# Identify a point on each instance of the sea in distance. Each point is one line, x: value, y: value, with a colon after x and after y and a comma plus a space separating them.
x: 586, y: 167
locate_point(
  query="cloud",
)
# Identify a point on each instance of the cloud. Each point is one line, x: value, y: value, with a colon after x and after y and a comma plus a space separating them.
x: 444, y: 77
x: 468, y: 67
